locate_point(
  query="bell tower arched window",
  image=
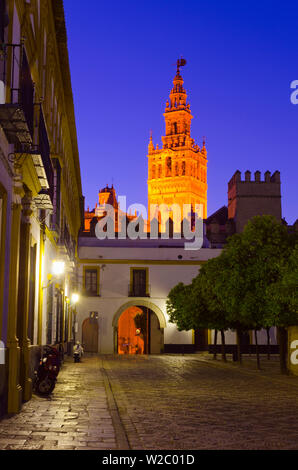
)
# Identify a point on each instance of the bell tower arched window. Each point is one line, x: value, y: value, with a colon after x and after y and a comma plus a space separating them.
x: 168, y: 166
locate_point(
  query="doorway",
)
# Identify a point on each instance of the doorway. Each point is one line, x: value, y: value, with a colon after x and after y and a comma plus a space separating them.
x: 90, y: 335
x: 139, y: 332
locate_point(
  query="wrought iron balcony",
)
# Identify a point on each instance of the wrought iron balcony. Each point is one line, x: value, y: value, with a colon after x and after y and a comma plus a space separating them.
x: 43, y: 200
x: 40, y: 156
x: 139, y: 291
x: 66, y: 243
x: 91, y: 293
x: 16, y: 106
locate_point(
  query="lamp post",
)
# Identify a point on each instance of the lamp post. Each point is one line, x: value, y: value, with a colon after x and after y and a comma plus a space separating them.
x: 74, y: 301
x: 58, y: 268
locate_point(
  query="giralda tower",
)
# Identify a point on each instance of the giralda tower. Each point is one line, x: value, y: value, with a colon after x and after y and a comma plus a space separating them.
x: 177, y: 173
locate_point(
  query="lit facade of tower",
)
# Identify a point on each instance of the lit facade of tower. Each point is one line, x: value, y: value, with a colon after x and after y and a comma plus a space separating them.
x: 177, y: 173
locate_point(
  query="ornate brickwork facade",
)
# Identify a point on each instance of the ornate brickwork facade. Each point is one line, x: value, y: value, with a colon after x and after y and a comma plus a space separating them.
x: 177, y: 173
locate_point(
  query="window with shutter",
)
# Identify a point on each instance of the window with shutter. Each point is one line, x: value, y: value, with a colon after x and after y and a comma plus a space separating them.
x: 139, y: 282
x: 91, y: 282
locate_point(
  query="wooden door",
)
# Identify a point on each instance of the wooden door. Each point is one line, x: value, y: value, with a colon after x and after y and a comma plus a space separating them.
x: 156, y: 335
x: 90, y: 335
x: 201, y: 339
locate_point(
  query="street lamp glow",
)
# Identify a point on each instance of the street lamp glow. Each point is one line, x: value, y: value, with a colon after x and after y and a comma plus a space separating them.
x: 74, y: 298
x: 58, y: 267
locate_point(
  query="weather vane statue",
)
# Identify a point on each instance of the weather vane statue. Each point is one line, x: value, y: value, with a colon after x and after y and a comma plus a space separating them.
x: 180, y: 63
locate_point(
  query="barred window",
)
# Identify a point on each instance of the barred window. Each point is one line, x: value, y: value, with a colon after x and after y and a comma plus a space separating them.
x: 139, y: 282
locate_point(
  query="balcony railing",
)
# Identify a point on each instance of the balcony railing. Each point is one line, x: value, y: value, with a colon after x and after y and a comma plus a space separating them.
x: 66, y: 243
x: 17, y: 106
x: 139, y: 291
x: 17, y: 110
x: 91, y: 293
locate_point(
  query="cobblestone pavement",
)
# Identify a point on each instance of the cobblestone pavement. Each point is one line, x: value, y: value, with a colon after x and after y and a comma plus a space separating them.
x: 160, y: 402
x: 76, y: 416
x: 187, y: 402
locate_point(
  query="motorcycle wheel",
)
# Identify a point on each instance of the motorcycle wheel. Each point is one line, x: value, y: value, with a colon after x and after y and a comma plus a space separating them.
x: 45, y: 386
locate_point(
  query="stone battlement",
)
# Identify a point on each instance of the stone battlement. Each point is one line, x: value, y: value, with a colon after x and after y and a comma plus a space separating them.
x: 268, y: 178
x: 249, y: 197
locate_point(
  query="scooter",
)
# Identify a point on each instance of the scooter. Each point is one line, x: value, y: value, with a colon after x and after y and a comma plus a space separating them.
x: 47, y: 372
x: 76, y: 356
x: 77, y: 352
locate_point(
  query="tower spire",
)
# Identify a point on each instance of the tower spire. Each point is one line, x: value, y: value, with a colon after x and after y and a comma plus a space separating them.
x: 177, y: 114
x: 150, y: 146
x: 177, y: 172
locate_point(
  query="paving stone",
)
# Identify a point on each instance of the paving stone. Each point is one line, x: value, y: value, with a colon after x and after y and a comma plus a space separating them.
x: 60, y: 423
x: 165, y: 402
x: 189, y: 402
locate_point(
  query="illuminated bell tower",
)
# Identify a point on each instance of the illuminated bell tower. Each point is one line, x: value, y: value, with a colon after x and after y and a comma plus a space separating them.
x: 177, y: 173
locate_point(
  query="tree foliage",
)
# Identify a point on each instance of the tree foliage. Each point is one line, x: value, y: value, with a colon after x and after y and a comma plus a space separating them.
x: 251, y: 285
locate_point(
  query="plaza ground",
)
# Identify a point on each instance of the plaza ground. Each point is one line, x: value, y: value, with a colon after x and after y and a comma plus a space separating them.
x: 172, y: 402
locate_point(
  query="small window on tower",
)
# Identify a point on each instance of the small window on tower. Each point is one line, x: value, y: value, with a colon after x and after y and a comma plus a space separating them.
x: 169, y: 166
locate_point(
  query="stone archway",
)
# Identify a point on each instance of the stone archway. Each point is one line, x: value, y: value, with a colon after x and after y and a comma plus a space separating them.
x: 142, y: 303
x: 150, y: 339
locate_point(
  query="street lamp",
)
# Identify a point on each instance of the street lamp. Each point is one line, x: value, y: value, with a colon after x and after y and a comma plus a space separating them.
x: 58, y: 267
x: 74, y: 298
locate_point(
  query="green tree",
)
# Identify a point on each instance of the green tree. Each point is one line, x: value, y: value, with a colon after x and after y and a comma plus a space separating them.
x: 179, y: 307
x: 282, y: 302
x: 215, y: 314
x: 253, y: 260
x: 195, y: 306
x: 230, y: 285
x: 186, y: 306
x: 251, y: 285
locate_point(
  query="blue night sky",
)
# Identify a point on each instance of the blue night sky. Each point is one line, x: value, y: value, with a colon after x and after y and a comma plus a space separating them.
x: 241, y: 58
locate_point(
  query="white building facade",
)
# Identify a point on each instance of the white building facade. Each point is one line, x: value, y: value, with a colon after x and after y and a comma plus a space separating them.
x: 116, y: 275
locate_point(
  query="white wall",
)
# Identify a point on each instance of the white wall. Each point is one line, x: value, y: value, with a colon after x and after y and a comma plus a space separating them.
x: 231, y: 337
x: 115, y: 280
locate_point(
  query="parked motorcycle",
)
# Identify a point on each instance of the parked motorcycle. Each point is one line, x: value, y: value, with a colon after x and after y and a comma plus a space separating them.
x: 77, y: 352
x: 48, y: 370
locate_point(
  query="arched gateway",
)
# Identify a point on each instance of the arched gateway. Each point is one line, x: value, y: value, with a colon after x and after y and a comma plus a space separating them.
x: 138, y: 328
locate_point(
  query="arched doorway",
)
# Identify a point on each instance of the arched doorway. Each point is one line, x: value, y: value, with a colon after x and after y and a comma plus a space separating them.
x: 90, y: 335
x: 138, y: 331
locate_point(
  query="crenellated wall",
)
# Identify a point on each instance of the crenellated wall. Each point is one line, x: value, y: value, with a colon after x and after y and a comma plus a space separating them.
x: 249, y: 197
